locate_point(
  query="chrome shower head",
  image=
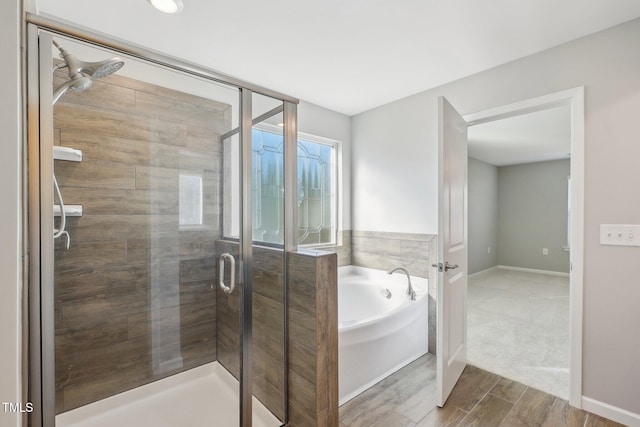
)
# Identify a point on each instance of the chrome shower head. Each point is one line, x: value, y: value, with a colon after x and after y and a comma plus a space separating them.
x: 77, y: 83
x: 105, y: 68
x: 96, y: 70
x: 81, y: 73
x: 80, y: 83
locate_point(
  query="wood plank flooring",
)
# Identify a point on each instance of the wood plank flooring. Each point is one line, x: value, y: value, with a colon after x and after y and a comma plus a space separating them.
x: 408, y: 399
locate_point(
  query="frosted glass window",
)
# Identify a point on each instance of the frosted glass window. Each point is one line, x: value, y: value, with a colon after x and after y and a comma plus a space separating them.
x: 317, y: 188
x: 190, y: 199
x: 317, y: 196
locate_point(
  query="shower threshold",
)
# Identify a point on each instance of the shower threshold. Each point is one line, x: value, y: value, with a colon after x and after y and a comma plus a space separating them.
x: 206, y: 396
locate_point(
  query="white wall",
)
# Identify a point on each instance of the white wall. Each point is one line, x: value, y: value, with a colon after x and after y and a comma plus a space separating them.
x: 483, y: 215
x: 395, y: 180
x: 395, y: 167
x: 10, y: 223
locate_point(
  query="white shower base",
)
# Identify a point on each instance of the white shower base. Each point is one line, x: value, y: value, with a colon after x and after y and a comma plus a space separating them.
x: 200, y: 397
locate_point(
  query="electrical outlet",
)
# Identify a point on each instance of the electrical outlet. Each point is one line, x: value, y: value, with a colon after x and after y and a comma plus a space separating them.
x: 489, y: 250
x: 545, y: 251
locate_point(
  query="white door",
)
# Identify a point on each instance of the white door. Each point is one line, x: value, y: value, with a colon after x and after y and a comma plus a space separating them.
x: 451, y: 343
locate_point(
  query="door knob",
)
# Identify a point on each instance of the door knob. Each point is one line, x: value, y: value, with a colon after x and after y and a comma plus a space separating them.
x: 448, y: 267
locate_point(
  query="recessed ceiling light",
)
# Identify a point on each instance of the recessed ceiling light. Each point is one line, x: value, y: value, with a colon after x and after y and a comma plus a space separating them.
x: 167, y: 6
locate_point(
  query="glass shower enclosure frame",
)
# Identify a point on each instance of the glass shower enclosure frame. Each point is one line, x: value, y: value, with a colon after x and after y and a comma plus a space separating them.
x: 39, y: 178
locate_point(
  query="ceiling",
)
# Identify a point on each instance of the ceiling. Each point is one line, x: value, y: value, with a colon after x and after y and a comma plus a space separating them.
x: 348, y: 55
x: 532, y: 137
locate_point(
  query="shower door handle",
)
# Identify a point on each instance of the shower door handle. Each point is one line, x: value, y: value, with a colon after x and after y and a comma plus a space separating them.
x: 232, y: 263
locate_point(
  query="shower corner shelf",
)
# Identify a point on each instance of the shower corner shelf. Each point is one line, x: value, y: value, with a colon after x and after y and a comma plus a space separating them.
x: 69, y: 210
x: 66, y: 153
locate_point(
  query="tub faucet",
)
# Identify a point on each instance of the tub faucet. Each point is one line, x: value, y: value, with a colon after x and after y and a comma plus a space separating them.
x: 410, y: 290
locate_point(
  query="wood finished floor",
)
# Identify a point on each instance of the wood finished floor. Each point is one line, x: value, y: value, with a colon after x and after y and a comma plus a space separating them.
x: 408, y: 399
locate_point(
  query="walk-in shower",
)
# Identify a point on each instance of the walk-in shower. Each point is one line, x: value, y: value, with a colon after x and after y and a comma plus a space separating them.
x: 130, y: 325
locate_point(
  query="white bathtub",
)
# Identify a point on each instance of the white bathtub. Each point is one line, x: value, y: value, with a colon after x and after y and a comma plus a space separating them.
x: 377, y: 335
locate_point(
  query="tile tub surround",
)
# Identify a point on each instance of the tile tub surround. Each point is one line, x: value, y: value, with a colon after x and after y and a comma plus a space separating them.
x: 384, y: 251
x: 415, y: 252
x: 518, y: 327
x: 133, y: 296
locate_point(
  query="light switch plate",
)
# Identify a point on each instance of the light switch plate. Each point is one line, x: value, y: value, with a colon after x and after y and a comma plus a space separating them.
x: 620, y: 234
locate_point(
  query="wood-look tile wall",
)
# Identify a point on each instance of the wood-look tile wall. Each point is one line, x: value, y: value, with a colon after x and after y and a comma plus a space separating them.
x: 384, y: 251
x: 133, y: 295
x: 313, y: 339
x: 268, y: 325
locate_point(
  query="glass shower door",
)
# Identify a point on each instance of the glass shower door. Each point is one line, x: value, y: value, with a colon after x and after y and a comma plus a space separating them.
x: 157, y: 235
x: 137, y: 224
x: 268, y: 267
x: 257, y: 355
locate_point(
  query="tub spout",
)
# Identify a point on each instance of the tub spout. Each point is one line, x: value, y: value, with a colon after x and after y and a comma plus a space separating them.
x: 410, y: 291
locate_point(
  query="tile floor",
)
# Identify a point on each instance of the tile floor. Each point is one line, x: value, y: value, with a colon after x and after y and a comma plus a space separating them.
x: 518, y: 327
x: 480, y: 398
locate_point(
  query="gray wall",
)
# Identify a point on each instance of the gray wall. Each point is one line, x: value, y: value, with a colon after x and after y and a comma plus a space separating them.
x: 516, y: 211
x: 10, y: 226
x: 607, y: 64
x: 483, y: 215
x: 532, y: 213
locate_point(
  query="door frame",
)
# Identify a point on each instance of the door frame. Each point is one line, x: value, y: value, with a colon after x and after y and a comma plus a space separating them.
x: 575, y: 98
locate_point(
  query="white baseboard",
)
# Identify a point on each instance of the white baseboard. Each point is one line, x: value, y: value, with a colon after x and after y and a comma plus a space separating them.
x: 486, y: 270
x: 611, y: 412
x: 533, y: 270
